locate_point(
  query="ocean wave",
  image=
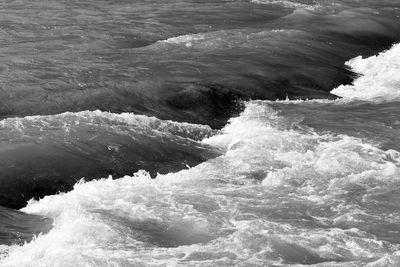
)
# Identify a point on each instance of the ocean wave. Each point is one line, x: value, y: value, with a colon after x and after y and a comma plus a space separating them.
x: 53, y: 152
x: 66, y: 121
x: 379, y: 77
x: 238, y: 208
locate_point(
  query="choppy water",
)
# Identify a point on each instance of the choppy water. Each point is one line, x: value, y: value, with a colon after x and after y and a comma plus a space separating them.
x: 233, y: 108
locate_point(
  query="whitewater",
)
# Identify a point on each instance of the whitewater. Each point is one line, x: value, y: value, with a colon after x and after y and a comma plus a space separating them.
x: 226, y: 133
x: 282, y: 192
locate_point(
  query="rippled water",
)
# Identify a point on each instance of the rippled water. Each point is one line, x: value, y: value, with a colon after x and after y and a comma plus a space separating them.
x: 271, y: 128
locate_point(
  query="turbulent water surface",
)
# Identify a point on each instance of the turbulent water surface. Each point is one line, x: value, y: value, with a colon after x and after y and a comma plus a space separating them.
x: 242, y: 132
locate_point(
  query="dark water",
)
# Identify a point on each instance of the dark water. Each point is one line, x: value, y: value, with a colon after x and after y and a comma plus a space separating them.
x: 184, y: 92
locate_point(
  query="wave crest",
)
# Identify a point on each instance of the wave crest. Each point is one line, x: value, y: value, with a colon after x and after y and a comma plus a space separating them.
x: 379, y: 77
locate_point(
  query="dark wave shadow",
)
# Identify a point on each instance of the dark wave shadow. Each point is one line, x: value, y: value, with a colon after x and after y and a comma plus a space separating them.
x: 16, y: 227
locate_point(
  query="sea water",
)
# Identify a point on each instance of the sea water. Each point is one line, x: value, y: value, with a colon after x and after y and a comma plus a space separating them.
x: 200, y: 133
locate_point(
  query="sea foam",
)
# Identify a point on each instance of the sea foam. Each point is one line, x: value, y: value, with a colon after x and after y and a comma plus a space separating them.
x: 238, y: 208
x: 379, y: 78
x: 287, y: 4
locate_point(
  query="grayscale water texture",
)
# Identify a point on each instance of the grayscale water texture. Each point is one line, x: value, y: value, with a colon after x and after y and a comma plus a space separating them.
x: 200, y: 133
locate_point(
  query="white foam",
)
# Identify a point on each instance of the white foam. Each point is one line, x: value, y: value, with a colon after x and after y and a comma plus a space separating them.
x: 185, y: 39
x: 213, y: 39
x: 285, y: 3
x: 379, y: 80
x: 223, y: 39
x: 236, y: 209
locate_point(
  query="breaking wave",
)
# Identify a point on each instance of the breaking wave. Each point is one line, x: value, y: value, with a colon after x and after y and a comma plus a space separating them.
x: 240, y: 208
x: 379, y: 77
x: 138, y: 123
x: 53, y: 152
